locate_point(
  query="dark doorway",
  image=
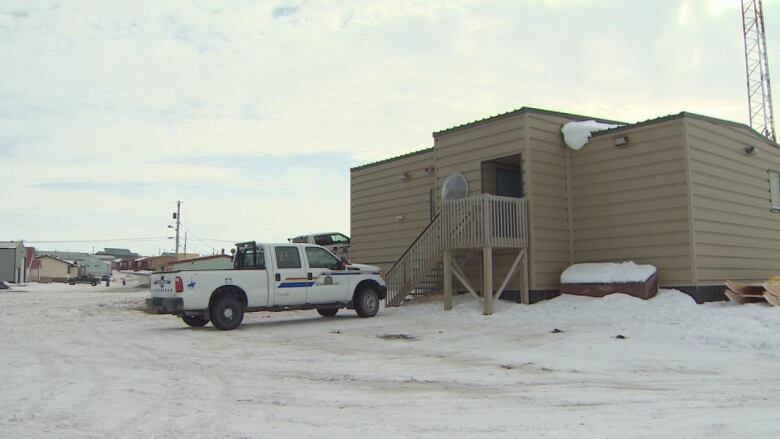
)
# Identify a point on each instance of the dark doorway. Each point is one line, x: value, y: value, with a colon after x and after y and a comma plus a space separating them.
x: 503, y: 176
x: 509, y: 182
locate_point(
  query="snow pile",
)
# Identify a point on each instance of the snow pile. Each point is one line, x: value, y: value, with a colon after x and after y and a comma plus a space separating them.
x: 577, y: 134
x: 607, y: 273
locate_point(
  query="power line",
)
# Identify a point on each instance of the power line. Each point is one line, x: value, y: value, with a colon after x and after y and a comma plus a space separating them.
x: 65, y: 241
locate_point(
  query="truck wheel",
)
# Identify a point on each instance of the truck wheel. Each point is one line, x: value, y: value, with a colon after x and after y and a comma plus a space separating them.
x: 226, y: 313
x: 196, y: 321
x: 367, y: 302
x: 327, y: 312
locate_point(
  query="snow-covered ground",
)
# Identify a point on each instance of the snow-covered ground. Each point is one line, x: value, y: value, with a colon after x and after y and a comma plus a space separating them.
x: 81, y: 361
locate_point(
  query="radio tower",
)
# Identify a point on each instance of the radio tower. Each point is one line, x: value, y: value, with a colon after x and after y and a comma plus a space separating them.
x: 762, y: 117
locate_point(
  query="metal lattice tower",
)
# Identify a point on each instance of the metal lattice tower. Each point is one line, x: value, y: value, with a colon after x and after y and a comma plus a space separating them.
x: 762, y: 117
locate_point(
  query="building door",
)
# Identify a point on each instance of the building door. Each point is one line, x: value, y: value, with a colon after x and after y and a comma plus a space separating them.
x: 509, y: 182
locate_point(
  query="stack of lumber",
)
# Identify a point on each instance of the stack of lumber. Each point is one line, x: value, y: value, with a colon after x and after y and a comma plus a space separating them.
x: 768, y: 291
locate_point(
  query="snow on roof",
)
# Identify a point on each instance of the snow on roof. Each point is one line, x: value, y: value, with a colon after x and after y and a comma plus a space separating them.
x: 606, y: 273
x: 577, y: 134
x: 9, y: 244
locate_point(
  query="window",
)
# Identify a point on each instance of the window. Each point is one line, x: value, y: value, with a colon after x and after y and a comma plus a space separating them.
x: 774, y: 189
x: 339, y: 239
x: 249, y: 256
x: 323, y: 240
x: 320, y: 258
x: 287, y: 257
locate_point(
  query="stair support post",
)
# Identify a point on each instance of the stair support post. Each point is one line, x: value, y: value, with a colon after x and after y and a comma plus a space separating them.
x: 487, y: 280
x: 447, y: 266
x: 525, y: 283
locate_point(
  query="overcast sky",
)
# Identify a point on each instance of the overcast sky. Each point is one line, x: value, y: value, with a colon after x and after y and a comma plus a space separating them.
x: 252, y: 112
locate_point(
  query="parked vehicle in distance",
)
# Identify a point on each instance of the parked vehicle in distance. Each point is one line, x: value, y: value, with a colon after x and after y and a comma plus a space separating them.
x: 84, y: 280
x: 338, y: 243
x: 268, y: 277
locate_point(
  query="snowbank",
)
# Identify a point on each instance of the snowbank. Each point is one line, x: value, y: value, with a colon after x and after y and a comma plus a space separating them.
x: 577, y: 134
x: 606, y: 273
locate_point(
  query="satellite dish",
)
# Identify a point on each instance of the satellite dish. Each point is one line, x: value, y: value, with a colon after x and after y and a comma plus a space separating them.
x: 455, y: 187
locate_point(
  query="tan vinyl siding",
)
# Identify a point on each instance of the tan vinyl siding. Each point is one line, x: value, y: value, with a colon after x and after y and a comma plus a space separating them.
x: 736, y: 233
x: 464, y: 151
x: 378, y: 197
x: 632, y: 203
x: 548, y: 199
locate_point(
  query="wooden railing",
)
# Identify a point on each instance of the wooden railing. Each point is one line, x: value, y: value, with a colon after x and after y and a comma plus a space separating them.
x: 474, y: 222
x: 415, y: 264
x: 494, y: 221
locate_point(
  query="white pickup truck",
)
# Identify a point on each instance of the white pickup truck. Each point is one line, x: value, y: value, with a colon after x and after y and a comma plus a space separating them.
x: 268, y: 277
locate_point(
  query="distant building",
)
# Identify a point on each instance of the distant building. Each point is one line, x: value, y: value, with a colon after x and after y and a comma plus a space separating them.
x: 215, y: 262
x: 50, y: 269
x: 117, y: 253
x: 181, y: 256
x: 151, y: 263
x: 13, y: 265
x: 91, y: 265
x: 94, y: 266
x: 64, y: 255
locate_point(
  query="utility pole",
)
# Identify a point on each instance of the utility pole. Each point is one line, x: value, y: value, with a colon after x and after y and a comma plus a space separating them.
x: 177, y: 217
x: 185, y: 245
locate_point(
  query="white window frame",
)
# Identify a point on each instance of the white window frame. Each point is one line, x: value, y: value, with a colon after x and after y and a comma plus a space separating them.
x: 774, y: 190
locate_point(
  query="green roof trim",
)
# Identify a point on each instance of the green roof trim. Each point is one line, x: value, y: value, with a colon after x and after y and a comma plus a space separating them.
x: 392, y: 159
x: 683, y: 114
x: 523, y: 110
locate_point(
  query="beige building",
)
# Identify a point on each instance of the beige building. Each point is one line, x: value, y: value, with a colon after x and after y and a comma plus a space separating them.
x: 695, y: 196
x: 50, y: 269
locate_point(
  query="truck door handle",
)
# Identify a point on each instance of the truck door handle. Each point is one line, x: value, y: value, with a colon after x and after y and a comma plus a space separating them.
x: 309, y: 276
x: 278, y: 277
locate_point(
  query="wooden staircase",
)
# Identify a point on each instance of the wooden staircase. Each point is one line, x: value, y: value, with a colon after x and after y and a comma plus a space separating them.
x: 419, y: 270
x: 480, y: 222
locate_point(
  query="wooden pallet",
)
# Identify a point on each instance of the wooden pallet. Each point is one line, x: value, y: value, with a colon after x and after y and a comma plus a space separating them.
x: 742, y: 299
x: 771, y: 298
x: 745, y: 293
x: 772, y: 293
x: 745, y: 289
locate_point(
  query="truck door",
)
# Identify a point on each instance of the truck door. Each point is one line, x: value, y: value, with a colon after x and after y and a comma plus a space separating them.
x: 290, y: 279
x: 328, y: 286
x: 252, y: 277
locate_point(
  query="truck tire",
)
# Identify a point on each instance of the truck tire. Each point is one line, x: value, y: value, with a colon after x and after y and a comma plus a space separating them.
x: 226, y: 313
x: 196, y: 321
x: 367, y: 302
x: 327, y: 312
